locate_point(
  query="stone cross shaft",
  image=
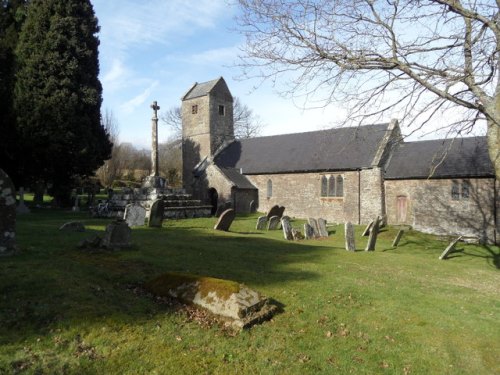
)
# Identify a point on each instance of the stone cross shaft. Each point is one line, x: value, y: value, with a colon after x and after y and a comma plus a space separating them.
x: 154, y: 146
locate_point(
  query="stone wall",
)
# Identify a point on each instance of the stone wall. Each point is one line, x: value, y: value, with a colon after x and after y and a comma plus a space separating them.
x: 242, y: 199
x: 431, y: 209
x: 300, y: 193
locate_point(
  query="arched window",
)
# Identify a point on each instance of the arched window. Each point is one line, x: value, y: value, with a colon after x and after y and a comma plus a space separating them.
x: 324, y: 186
x: 331, y: 186
x: 340, y: 186
x: 269, y: 188
x: 455, y: 190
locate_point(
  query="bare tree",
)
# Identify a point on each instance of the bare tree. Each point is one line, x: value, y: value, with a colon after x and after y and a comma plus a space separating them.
x: 110, y: 170
x: 422, y: 59
x: 170, y: 153
x: 246, y: 123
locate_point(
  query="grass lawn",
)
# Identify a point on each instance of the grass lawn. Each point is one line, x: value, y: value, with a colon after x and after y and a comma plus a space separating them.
x: 392, y: 311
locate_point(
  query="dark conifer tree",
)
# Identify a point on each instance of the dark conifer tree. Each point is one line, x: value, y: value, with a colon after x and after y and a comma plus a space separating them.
x: 58, y: 94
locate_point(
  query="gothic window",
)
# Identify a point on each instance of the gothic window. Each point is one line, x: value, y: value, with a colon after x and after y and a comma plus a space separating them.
x: 455, y: 191
x: 331, y: 186
x: 324, y: 186
x: 194, y: 109
x: 269, y: 189
x: 222, y: 110
x: 465, y: 189
x: 340, y: 187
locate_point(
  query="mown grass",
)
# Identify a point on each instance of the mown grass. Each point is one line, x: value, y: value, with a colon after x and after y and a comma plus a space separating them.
x: 394, y: 311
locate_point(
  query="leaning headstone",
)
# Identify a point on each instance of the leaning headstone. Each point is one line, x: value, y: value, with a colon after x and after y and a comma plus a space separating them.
x: 296, y: 235
x: 253, y: 207
x: 314, y: 224
x: 350, y: 245
x: 7, y: 215
x: 156, y: 213
x: 21, y: 207
x: 225, y: 220
x: 280, y: 212
x: 220, y: 210
x: 273, y: 223
x: 308, y: 231
x: 372, y: 239
x: 261, y: 223
x: 398, y: 238
x: 322, y: 227
x: 449, y: 249
x: 366, y: 232
x: 134, y: 215
x: 117, y: 235
x: 287, y: 228
x: 274, y: 211
x: 72, y: 226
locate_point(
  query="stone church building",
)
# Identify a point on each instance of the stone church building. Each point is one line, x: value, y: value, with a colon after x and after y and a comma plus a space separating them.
x: 344, y: 174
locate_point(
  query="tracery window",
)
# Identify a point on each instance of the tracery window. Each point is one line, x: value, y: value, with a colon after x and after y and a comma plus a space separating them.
x: 332, y: 186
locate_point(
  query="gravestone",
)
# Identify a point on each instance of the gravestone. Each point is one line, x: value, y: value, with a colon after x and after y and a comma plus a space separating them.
x: 398, y: 238
x: 308, y: 231
x: 261, y: 223
x: 350, y: 244
x: 449, y: 249
x: 253, y: 207
x: 372, y: 239
x: 7, y: 215
x: 287, y: 228
x: 274, y: 211
x: 314, y: 224
x: 117, y: 235
x: 273, y: 223
x: 156, y: 213
x: 134, y: 215
x: 366, y: 232
x: 76, y: 206
x: 72, y: 226
x: 322, y: 227
x: 296, y: 235
x: 21, y: 207
x: 225, y: 220
x: 281, y: 210
x: 220, y: 209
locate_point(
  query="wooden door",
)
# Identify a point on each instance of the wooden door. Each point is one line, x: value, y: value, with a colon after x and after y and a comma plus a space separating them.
x: 402, y: 209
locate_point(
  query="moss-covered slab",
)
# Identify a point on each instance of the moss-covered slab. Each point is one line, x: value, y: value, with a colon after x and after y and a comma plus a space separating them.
x: 229, y: 299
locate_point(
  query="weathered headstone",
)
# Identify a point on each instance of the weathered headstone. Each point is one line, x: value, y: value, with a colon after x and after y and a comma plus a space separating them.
x: 281, y: 210
x: 117, y: 235
x: 72, y: 226
x: 7, y: 215
x: 273, y: 223
x: 350, y: 244
x: 366, y: 232
x: 274, y: 211
x: 220, y: 209
x: 156, y: 213
x: 261, y: 223
x: 322, y: 227
x: 21, y: 207
x: 225, y: 220
x: 253, y: 207
x: 449, y: 248
x: 76, y: 206
x: 296, y: 235
x: 308, y: 231
x: 398, y: 238
x: 134, y: 215
x: 287, y: 228
x: 372, y: 239
x: 314, y: 224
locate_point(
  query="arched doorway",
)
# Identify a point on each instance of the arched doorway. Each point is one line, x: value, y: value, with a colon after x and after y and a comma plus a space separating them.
x: 213, y: 198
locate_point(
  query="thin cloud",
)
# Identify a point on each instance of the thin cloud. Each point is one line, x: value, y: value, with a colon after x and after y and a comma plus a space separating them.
x: 132, y: 104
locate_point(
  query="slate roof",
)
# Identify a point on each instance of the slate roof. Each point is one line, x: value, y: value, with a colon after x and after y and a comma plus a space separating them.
x: 324, y: 150
x: 204, y: 88
x: 239, y: 180
x: 452, y: 158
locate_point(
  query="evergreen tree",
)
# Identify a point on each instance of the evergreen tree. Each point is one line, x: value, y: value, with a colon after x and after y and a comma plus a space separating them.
x: 58, y: 95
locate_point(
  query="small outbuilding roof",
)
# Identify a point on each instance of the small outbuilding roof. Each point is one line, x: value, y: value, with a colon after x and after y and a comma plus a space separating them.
x: 441, y: 158
x: 337, y: 149
x: 239, y: 180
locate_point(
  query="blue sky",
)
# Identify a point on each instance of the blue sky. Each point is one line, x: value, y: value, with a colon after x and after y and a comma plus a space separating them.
x: 156, y: 49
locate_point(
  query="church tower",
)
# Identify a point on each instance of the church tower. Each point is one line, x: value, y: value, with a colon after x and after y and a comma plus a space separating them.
x: 207, y: 122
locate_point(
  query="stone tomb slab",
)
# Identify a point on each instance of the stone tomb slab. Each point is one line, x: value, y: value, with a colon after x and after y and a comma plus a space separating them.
x: 240, y: 305
x: 134, y: 215
x: 7, y: 215
x: 225, y: 220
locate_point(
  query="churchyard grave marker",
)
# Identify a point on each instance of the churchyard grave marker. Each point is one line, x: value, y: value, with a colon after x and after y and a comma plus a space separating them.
x: 449, y: 248
x: 117, y: 235
x: 281, y: 210
x: 322, y: 227
x: 220, y: 209
x: 261, y: 223
x: 366, y: 232
x: 349, y: 237
x: 156, y: 213
x: 253, y: 207
x: 372, y: 239
x: 225, y: 220
x: 398, y: 238
x: 274, y: 211
x: 7, y: 215
x: 287, y: 228
x: 314, y: 224
x: 297, y: 235
x: 21, y: 207
x: 72, y: 226
x: 308, y: 231
x: 134, y: 214
x: 273, y: 223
